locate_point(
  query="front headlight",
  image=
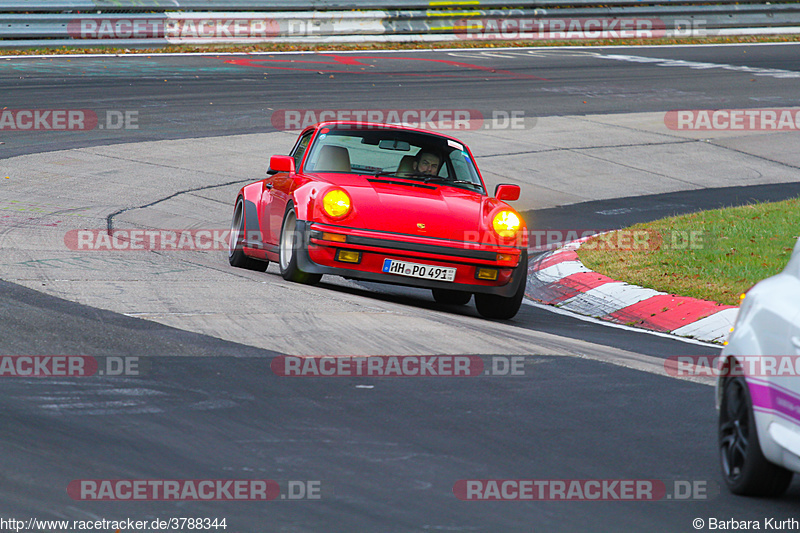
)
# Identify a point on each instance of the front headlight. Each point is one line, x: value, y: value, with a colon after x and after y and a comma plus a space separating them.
x: 336, y: 203
x: 506, y: 223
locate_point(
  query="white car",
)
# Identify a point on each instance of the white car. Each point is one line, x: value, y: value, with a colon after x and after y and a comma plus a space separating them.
x: 759, y: 401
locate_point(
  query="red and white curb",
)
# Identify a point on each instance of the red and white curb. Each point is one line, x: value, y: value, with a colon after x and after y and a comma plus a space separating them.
x: 559, y: 278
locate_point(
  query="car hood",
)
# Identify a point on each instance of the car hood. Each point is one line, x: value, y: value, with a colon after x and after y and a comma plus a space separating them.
x: 417, y: 209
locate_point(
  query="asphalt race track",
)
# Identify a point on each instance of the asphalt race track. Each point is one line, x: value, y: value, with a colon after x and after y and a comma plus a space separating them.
x: 180, y: 134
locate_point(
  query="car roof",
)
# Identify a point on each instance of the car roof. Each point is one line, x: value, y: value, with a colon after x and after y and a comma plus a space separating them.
x: 379, y: 125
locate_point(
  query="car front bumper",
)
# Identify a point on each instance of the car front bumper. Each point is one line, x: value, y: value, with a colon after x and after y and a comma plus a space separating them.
x: 319, y: 256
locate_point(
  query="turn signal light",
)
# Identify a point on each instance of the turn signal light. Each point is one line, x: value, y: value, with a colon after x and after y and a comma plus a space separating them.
x: 336, y: 237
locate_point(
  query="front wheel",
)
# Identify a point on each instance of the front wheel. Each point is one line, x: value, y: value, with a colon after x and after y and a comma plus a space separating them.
x: 744, y: 468
x: 500, y: 307
x: 236, y: 255
x: 287, y: 253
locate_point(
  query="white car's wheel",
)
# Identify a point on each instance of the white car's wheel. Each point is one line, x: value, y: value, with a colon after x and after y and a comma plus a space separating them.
x: 744, y: 467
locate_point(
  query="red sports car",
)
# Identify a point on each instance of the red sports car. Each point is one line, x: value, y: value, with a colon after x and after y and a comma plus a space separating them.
x: 389, y: 204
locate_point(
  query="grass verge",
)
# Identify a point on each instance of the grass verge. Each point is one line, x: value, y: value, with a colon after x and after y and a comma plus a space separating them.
x: 301, y: 47
x: 713, y: 255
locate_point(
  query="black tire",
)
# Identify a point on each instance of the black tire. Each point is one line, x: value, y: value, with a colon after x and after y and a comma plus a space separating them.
x: 287, y: 253
x: 500, y: 307
x: 744, y: 468
x: 451, y: 297
x: 236, y: 255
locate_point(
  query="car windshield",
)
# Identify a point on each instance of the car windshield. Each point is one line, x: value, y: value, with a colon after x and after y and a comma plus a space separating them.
x: 393, y: 153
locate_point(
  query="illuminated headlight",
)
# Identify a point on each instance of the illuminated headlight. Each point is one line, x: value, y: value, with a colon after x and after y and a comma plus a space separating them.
x: 506, y: 223
x: 336, y: 203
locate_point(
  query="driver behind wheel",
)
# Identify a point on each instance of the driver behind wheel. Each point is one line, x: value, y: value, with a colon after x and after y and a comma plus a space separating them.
x: 426, y: 162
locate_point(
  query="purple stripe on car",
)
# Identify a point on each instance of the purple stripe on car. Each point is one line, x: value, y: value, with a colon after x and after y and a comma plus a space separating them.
x: 768, y: 397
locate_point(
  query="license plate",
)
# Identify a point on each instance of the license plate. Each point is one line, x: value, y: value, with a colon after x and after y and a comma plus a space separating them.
x: 416, y: 270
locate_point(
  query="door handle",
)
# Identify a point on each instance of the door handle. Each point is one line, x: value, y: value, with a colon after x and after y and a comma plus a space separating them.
x: 267, y: 185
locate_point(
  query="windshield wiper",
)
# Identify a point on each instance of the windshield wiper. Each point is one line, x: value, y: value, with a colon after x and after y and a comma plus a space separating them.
x: 387, y: 173
x: 426, y: 178
x: 448, y: 181
x: 411, y: 174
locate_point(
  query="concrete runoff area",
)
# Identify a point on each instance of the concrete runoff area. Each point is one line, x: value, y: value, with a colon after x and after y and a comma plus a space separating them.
x: 191, y: 184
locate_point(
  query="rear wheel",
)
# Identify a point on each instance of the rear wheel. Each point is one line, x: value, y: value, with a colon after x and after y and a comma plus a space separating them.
x: 451, y: 297
x: 500, y: 307
x: 236, y: 255
x: 287, y: 253
x: 744, y: 468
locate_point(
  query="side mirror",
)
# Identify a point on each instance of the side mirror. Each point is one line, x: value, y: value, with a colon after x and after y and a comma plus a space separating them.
x: 506, y: 191
x: 281, y: 163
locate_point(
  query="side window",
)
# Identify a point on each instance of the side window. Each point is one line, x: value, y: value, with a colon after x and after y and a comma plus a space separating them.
x: 463, y: 167
x: 443, y: 168
x: 300, y: 149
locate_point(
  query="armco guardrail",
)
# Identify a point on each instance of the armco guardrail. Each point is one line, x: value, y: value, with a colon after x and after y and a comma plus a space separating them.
x: 149, y: 23
x: 55, y: 6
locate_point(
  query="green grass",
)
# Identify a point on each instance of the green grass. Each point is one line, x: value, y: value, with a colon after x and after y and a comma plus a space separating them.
x: 732, y: 249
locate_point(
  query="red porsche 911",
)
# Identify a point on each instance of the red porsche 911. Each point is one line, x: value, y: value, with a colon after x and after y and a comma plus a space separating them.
x: 385, y: 203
